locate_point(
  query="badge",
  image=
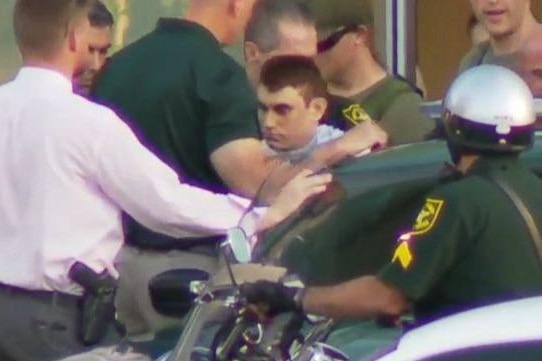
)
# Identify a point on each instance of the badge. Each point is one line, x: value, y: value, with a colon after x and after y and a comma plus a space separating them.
x: 428, y: 216
x: 355, y: 114
x: 403, y: 254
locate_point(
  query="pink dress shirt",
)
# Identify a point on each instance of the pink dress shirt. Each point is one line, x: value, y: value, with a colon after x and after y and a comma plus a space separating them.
x: 67, y: 169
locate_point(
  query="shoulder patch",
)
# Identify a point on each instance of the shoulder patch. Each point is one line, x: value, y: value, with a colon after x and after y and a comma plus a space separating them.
x: 403, y: 254
x: 428, y: 216
x: 355, y: 114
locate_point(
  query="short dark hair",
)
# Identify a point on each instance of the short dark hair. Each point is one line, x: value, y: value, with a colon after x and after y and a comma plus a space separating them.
x: 296, y: 71
x: 99, y: 16
x: 40, y: 26
x: 263, y: 27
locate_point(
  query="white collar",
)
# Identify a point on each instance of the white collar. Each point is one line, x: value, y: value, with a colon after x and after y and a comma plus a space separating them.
x: 35, y: 76
x: 299, y: 154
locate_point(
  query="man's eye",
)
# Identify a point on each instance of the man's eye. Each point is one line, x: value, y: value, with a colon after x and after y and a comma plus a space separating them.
x: 262, y: 107
x: 282, y: 109
x: 538, y: 73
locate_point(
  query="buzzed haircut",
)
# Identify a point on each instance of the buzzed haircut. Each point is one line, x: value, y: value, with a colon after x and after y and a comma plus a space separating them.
x: 296, y: 71
x: 263, y: 27
x: 99, y: 16
x: 40, y: 26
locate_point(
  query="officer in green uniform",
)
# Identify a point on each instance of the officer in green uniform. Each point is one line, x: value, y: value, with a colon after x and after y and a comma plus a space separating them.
x: 470, y: 245
x: 360, y: 87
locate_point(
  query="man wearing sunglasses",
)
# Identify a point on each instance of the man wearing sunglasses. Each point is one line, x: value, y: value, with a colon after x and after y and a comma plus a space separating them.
x: 361, y: 87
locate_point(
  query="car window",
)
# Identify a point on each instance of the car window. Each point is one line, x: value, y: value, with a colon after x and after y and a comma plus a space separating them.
x: 525, y: 351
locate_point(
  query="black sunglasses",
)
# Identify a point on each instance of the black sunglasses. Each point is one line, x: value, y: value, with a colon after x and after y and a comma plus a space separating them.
x: 334, y: 38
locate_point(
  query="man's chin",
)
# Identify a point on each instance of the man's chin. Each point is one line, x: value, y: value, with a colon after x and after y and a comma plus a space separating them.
x: 277, y: 146
x: 499, y: 33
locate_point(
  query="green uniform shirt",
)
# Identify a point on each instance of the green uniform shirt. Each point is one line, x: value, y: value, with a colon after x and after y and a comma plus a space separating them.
x: 469, y: 245
x: 392, y: 103
x: 184, y: 98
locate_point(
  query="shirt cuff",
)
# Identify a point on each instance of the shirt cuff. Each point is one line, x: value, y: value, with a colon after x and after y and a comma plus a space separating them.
x: 248, y: 221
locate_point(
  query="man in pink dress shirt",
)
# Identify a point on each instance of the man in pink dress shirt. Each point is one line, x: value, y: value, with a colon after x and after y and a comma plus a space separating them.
x: 68, y: 167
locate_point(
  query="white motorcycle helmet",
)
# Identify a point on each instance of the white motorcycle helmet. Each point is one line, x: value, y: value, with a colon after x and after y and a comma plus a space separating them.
x: 489, y: 110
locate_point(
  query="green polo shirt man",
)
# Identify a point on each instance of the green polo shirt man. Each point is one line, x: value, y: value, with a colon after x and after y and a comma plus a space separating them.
x: 192, y: 105
x: 185, y: 98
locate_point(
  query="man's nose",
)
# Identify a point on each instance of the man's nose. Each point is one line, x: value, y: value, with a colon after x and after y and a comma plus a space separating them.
x: 97, y: 61
x: 269, y: 120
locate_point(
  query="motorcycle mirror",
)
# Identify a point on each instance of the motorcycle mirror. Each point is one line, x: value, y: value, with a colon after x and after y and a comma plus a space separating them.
x: 237, y: 241
x: 322, y: 352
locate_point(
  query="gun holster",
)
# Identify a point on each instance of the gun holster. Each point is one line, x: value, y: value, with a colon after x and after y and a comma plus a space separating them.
x: 97, y: 305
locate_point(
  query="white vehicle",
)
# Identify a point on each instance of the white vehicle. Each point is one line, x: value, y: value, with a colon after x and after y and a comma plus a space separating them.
x: 510, y: 331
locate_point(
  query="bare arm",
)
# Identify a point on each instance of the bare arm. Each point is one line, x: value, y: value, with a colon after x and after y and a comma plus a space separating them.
x: 363, y: 297
x: 151, y: 192
x: 243, y: 165
x: 363, y: 136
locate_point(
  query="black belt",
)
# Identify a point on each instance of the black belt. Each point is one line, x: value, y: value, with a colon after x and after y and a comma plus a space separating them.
x: 46, y: 297
x: 157, y: 242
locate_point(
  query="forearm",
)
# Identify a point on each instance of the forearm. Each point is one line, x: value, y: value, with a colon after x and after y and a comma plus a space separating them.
x: 363, y: 297
x: 268, y: 219
x: 330, y: 153
x: 243, y: 166
x: 152, y: 194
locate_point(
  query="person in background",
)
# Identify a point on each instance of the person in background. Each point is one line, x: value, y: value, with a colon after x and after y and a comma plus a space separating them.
x: 530, y: 69
x: 531, y: 62
x: 509, y: 23
x: 277, y: 27
x: 100, y: 41
x: 68, y: 168
x: 360, y: 86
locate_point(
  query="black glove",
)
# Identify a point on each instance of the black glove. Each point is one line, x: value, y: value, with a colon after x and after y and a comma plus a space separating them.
x: 270, y: 297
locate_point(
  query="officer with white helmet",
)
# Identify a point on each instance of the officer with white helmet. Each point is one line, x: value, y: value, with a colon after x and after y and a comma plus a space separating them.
x: 488, y: 120
x: 470, y: 244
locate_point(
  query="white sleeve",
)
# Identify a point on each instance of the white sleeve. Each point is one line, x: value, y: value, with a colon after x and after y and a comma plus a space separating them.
x: 147, y: 189
x: 327, y: 133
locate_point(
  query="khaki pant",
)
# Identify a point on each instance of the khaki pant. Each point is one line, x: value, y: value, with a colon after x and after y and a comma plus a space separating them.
x: 136, y: 268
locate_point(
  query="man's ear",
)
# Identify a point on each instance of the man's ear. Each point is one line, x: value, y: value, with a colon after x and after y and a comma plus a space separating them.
x: 234, y: 7
x: 252, y: 52
x: 362, y: 35
x: 318, y: 107
x: 73, y: 39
